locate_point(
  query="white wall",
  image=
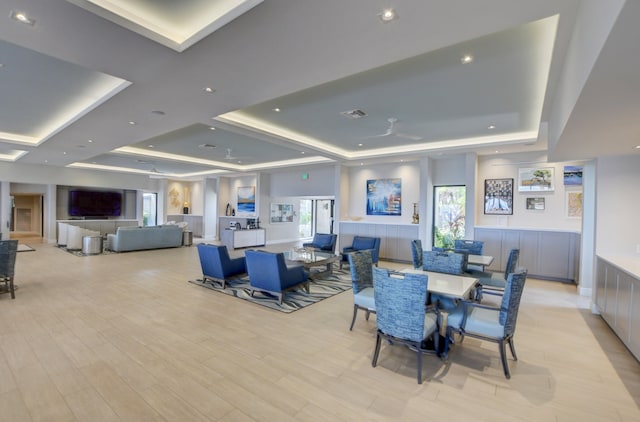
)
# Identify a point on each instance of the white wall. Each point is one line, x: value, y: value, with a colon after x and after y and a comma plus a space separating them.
x: 618, y: 202
x: 291, y: 183
x: 554, y: 216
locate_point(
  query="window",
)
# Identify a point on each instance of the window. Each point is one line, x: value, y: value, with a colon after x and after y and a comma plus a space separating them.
x: 149, y: 209
x: 448, y: 215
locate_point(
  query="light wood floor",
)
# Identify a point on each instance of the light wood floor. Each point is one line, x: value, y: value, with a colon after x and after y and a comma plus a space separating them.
x: 125, y: 337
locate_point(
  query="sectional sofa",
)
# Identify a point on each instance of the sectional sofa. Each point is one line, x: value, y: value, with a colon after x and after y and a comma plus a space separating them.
x: 150, y: 237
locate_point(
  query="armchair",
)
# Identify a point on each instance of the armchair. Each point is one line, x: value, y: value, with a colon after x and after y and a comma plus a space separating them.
x: 361, y: 243
x: 361, y: 269
x: 401, y: 316
x: 269, y: 273
x: 496, y: 324
x: 324, y: 242
x: 217, y: 265
x: 8, y: 249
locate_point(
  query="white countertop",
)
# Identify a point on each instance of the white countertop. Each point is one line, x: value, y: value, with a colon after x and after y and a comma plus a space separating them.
x: 535, y: 229
x: 626, y: 262
x: 387, y: 223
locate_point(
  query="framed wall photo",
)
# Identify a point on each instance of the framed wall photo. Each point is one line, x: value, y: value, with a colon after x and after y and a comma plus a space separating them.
x: 574, y: 204
x: 498, y: 196
x: 281, y: 213
x: 572, y: 175
x: 247, y: 199
x: 535, y: 203
x: 535, y: 179
x: 384, y: 197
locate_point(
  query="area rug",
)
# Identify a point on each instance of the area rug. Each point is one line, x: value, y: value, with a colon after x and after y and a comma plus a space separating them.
x: 319, y: 289
x: 24, y: 248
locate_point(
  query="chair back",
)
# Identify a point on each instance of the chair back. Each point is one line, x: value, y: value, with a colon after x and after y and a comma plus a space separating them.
x: 473, y: 247
x: 363, y: 242
x: 323, y: 241
x: 512, y: 261
x: 511, y: 300
x: 443, y: 262
x: 8, y: 249
x: 213, y: 259
x: 400, y: 303
x: 361, y: 267
x: 265, y: 268
x: 416, y: 251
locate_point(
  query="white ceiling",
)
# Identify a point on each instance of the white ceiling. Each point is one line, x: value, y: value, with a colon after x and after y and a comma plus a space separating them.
x: 71, y: 83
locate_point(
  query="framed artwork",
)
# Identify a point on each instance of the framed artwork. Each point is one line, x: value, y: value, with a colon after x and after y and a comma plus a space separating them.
x: 535, y: 179
x: 281, y: 213
x: 384, y: 197
x: 247, y: 199
x: 572, y: 175
x: 535, y: 203
x: 574, y: 204
x: 498, y: 196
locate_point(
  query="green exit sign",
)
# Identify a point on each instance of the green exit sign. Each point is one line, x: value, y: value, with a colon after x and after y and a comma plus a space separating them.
x: 305, y: 176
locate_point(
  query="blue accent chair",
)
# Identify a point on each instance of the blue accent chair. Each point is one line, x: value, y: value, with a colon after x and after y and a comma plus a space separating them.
x: 361, y: 269
x: 496, y: 324
x: 494, y: 283
x: 443, y: 262
x: 401, y: 316
x: 323, y: 242
x: 417, y: 252
x: 269, y: 273
x: 216, y: 264
x: 361, y: 243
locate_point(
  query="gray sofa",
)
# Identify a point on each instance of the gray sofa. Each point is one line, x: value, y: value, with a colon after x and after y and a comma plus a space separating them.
x: 139, y: 238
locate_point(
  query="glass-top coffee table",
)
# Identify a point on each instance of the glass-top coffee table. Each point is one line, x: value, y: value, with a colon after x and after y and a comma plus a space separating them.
x: 311, y: 258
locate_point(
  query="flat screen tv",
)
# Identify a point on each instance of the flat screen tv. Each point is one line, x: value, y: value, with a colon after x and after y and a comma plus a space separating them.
x: 87, y: 203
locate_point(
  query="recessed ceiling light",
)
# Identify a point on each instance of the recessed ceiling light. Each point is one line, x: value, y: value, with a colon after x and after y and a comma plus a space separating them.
x: 132, y: 123
x: 637, y: 146
x: 387, y: 15
x: 302, y: 152
x: 90, y: 140
x: 277, y: 110
x: 64, y: 152
x: 491, y: 127
x: 359, y: 145
x: 22, y: 17
x: 466, y: 59
x: 209, y: 90
x: 151, y: 146
x: 497, y: 151
x: 46, y: 161
x: 212, y: 128
x: 362, y: 164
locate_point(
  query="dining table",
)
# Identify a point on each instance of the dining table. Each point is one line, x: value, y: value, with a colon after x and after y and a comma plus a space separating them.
x: 451, y: 285
x: 480, y: 260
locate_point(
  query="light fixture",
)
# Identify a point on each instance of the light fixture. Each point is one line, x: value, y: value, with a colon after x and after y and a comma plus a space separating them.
x: 359, y: 145
x: 302, y: 152
x: 22, y: 17
x: 387, y: 15
x: 277, y: 110
x: 212, y: 128
x: 637, y: 146
x: 491, y: 127
x: 132, y: 123
x: 466, y: 59
x: 209, y: 90
x: 151, y: 146
x: 90, y: 141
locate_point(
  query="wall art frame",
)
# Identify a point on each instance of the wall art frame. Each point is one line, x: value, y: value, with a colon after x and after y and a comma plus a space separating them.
x: 498, y: 196
x: 281, y: 213
x: 535, y: 203
x: 574, y: 204
x: 246, y: 200
x: 536, y: 179
x: 572, y: 176
x: 384, y: 197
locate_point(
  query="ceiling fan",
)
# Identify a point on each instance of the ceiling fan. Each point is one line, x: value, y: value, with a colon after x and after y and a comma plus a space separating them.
x: 392, y: 130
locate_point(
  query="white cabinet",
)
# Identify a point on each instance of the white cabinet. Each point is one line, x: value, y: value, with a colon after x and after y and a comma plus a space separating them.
x: 235, y: 239
x: 618, y: 300
x: 546, y: 254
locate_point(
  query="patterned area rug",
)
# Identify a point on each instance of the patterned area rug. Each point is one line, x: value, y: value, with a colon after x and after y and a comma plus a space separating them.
x: 24, y: 248
x: 319, y: 289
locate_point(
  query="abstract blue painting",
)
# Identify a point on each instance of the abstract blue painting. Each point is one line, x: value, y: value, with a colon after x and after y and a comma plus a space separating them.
x: 384, y: 197
x: 247, y: 199
x: 573, y: 175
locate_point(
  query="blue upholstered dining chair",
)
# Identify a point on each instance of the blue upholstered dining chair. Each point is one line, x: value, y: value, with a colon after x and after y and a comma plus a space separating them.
x: 322, y: 241
x: 496, y: 324
x: 493, y: 283
x: 361, y: 269
x: 217, y: 265
x: 447, y: 263
x: 416, y: 252
x: 269, y: 273
x: 8, y: 250
x: 469, y: 247
x: 401, y: 315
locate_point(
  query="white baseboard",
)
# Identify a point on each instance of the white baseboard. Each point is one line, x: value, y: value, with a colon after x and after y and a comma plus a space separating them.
x: 585, y: 291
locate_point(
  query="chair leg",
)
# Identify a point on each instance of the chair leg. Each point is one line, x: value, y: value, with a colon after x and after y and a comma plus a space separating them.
x: 419, y: 364
x: 12, y: 288
x: 503, y: 358
x: 366, y: 316
x: 376, y: 352
x: 513, y: 349
x: 353, y: 320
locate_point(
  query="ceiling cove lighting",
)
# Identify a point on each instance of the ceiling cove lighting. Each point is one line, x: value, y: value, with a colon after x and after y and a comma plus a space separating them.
x: 387, y: 15
x: 22, y: 17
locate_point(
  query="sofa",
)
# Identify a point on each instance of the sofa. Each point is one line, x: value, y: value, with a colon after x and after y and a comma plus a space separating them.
x: 140, y: 238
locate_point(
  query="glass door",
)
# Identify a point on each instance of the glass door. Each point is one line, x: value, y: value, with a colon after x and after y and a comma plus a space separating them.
x: 149, y: 209
x: 306, y: 217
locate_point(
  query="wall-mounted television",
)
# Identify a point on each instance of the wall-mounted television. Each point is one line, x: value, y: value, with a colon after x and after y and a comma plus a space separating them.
x: 88, y: 203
